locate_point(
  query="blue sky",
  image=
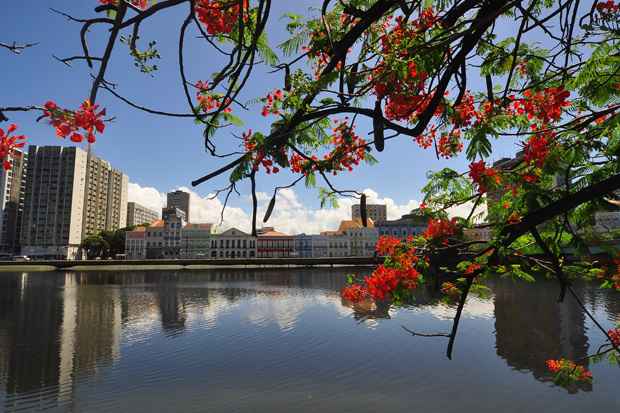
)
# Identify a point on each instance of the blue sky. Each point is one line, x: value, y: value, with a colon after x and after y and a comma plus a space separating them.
x: 167, y: 153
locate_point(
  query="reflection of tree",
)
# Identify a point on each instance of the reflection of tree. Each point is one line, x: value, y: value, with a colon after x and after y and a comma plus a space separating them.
x: 425, y: 294
x: 532, y: 327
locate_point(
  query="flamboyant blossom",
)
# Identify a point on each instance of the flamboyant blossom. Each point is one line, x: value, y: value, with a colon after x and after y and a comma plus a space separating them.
x: 273, y: 103
x: 386, y: 245
x: 140, y: 4
x: 208, y: 100
x: 440, y: 230
x: 614, y: 334
x: 354, y: 293
x: 220, y: 17
x: 543, y: 106
x: 537, y: 148
x: 8, y: 143
x: 257, y: 153
x: 566, y: 372
x: 483, y: 176
x: 80, y: 124
x: 349, y: 150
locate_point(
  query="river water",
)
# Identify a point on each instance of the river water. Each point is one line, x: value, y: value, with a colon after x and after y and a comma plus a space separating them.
x: 282, y: 341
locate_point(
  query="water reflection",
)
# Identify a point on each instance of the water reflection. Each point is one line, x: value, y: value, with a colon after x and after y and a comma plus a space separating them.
x: 62, y: 335
x: 531, y: 326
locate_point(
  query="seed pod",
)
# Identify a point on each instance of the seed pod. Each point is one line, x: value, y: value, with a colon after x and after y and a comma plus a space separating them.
x: 272, y: 204
x: 377, y: 123
x: 287, y: 78
x: 352, y: 79
x: 363, y: 212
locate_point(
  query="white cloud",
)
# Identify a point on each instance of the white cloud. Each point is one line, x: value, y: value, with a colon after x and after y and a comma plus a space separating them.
x: 146, y: 196
x: 289, y: 216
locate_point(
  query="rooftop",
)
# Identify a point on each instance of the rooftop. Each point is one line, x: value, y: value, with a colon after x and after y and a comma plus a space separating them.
x: 354, y: 224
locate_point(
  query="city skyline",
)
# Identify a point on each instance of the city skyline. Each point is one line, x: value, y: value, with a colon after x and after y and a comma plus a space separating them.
x: 142, y: 148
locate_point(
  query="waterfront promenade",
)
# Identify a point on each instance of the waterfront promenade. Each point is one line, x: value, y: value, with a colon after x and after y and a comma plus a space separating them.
x: 82, y: 265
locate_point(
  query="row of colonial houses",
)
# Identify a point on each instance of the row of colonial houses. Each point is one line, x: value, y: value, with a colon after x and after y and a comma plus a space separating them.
x: 172, y: 237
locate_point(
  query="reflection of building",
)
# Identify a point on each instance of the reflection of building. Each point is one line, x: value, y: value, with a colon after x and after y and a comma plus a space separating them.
x: 48, y: 340
x: 12, y: 190
x: 138, y: 214
x: 233, y: 243
x: 411, y: 224
x: 274, y: 244
x: 376, y: 212
x: 180, y: 200
x: 171, y: 306
x: 54, y: 201
x: 557, y: 331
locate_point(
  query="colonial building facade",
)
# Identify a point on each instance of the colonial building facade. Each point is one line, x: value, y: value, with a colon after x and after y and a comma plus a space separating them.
x: 274, y: 244
x: 233, y: 243
x: 362, y: 239
x: 196, y: 240
x: 412, y: 224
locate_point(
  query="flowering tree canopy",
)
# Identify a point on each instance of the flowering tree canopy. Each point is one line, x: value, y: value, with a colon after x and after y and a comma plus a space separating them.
x: 441, y: 73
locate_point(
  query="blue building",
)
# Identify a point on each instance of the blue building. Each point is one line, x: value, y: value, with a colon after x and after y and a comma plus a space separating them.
x: 412, y: 224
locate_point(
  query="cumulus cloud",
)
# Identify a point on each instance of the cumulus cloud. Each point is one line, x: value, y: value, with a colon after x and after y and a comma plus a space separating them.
x: 146, y: 196
x: 290, y: 215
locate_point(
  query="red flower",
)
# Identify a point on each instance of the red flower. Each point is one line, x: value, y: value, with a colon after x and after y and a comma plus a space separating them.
x: 69, y: 123
x: 8, y: 144
x: 386, y: 245
x: 471, y: 268
x: 483, y: 175
x: 566, y: 370
x: 354, y: 293
x: 440, y: 229
x: 615, y: 336
x: 220, y: 17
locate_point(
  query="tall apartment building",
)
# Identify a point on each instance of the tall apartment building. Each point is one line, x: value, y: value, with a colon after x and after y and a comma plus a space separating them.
x: 105, y: 203
x: 12, y: 191
x: 138, y: 214
x: 180, y: 200
x: 376, y: 212
x: 52, y: 221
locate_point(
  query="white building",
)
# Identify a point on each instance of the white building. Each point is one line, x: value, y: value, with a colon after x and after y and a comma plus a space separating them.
x: 163, y: 237
x: 12, y: 192
x: 338, y: 244
x: 233, y: 243
x: 196, y: 240
x: 138, y: 214
x: 105, y: 201
x: 135, y: 244
x: 52, y: 223
x: 362, y: 239
x: 311, y: 246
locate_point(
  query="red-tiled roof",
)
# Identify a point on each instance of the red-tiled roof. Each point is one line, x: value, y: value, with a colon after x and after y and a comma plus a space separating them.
x: 273, y: 234
x: 198, y: 226
x: 354, y: 224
